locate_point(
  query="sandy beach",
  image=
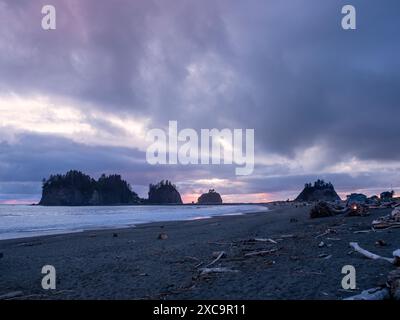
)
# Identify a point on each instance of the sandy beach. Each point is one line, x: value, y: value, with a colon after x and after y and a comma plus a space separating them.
x: 133, y: 263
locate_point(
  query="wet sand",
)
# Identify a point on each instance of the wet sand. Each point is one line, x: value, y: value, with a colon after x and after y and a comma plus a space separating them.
x: 134, y: 264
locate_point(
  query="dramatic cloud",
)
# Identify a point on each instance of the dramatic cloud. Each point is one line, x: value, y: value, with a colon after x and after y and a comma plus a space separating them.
x: 323, y: 101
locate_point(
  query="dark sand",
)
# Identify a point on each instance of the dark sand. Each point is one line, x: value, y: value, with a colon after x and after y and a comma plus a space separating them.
x: 136, y: 265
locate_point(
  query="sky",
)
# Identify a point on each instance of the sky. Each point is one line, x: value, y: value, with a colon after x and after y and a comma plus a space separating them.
x: 323, y: 101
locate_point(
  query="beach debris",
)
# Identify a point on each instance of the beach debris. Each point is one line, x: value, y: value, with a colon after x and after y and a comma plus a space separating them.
x: 1, y: 255
x: 328, y: 231
x: 372, y: 294
x: 270, y: 262
x: 395, y: 260
x: 317, y: 273
x: 11, y: 295
x: 357, y: 210
x: 381, y: 243
x: 221, y: 243
x: 162, y: 236
x: 192, y: 258
x: 389, y: 221
x: 323, y: 209
x: 28, y: 244
x: 321, y: 244
x: 363, y: 231
x: 264, y: 240
x: 115, y: 235
x: 260, y: 253
x: 391, y: 290
x: 393, y: 282
x: 293, y: 220
x: 217, y: 270
x: 287, y: 236
x: 218, y: 255
x: 396, y: 255
x: 325, y: 256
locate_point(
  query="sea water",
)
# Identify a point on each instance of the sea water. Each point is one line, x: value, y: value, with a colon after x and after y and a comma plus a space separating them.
x: 19, y: 221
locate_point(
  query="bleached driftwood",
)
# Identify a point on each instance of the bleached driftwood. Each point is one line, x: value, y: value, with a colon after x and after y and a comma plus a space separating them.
x: 260, y: 253
x: 11, y: 295
x: 395, y: 260
x: 217, y: 270
x: 363, y: 231
x: 220, y: 255
x: 265, y: 240
x: 372, y: 294
x: 396, y: 255
x: 390, y: 221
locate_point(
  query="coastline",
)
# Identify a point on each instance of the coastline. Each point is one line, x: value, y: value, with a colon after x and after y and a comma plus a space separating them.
x: 27, y: 221
x: 132, y: 263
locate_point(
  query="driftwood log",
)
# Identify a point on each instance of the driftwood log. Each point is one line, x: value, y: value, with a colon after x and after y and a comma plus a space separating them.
x: 372, y: 294
x: 217, y: 270
x: 393, y: 282
x: 391, y: 291
x: 395, y: 260
x: 323, y: 209
x: 390, y: 221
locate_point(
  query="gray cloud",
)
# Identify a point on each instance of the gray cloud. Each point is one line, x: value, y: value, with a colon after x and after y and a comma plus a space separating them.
x: 284, y: 68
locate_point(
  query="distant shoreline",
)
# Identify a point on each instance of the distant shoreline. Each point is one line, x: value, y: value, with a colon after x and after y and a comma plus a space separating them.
x: 109, y: 217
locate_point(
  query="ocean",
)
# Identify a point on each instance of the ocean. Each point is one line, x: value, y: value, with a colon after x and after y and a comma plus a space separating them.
x: 20, y: 221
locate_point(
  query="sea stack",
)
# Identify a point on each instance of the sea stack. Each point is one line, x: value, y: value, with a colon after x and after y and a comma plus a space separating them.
x: 320, y: 191
x: 164, y: 192
x: 211, y: 197
x: 78, y: 189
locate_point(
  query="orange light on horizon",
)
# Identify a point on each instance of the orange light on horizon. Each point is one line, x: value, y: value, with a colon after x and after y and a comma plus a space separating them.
x: 18, y: 201
x: 190, y: 197
x: 234, y: 198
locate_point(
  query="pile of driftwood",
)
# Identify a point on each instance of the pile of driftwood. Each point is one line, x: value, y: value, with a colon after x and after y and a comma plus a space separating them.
x: 392, y: 288
x: 384, y: 205
x: 390, y: 221
x: 324, y: 209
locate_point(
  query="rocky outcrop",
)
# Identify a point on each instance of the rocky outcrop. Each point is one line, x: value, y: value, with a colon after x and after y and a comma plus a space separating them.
x: 387, y: 196
x: 164, y: 192
x: 78, y: 189
x: 211, y: 197
x: 320, y: 191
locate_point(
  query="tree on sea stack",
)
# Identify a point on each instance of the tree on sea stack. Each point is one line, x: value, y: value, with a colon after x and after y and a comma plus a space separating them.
x: 78, y: 189
x: 164, y: 192
x: 211, y: 197
x: 320, y: 191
